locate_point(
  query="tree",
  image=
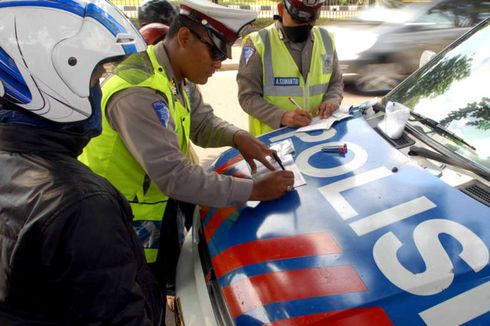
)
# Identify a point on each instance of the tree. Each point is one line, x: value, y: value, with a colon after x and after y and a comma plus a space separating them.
x: 477, y: 114
x: 434, y: 81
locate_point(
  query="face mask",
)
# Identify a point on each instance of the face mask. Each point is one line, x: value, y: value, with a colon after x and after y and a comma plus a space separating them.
x: 297, y: 34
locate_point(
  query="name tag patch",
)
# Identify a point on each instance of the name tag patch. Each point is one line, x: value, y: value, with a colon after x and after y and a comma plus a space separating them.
x: 161, y: 109
x: 286, y: 81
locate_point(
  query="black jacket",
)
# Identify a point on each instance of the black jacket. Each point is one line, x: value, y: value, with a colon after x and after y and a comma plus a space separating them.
x: 68, y: 252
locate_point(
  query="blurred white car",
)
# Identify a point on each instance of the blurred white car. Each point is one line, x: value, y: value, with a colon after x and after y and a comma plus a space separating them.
x: 383, y: 45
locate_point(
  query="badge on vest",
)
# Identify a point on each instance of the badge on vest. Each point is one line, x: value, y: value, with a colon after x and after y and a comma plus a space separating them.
x: 327, y: 64
x: 247, y: 53
x: 161, y: 109
x: 286, y: 81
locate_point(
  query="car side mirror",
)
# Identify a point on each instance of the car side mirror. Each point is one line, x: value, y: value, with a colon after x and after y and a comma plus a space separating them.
x: 425, y: 57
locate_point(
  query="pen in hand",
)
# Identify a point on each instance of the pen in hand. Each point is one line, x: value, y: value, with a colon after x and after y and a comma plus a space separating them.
x: 295, y: 103
x: 278, y: 160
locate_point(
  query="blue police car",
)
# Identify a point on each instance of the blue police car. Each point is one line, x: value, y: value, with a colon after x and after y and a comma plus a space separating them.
x: 394, y: 231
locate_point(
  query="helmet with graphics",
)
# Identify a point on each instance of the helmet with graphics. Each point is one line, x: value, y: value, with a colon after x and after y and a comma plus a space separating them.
x: 51, y: 52
x: 156, y: 11
x: 303, y: 11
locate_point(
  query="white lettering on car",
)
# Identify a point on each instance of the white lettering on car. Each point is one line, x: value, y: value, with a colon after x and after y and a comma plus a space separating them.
x: 332, y: 192
x: 391, y: 215
x: 360, y: 158
x: 460, y: 309
x: 439, y: 273
x: 305, y: 137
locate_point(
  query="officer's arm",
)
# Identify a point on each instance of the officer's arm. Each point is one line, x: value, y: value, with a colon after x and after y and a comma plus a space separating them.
x: 152, y: 141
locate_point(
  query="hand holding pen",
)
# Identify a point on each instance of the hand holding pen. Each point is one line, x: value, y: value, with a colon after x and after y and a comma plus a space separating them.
x: 278, y: 160
x: 298, y: 118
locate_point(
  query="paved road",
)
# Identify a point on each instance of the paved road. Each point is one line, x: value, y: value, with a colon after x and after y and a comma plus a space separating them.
x: 221, y: 92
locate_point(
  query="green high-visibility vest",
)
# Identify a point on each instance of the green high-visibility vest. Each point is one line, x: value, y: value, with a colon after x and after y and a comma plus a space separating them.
x: 107, y: 155
x: 282, y: 78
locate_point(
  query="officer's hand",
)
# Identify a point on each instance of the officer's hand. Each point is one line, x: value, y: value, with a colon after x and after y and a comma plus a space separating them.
x: 251, y: 148
x: 272, y: 185
x: 296, y: 118
x: 326, y: 109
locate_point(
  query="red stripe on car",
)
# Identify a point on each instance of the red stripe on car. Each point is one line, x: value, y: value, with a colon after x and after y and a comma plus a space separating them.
x: 260, y: 290
x: 357, y: 316
x: 219, y: 217
x: 312, y: 244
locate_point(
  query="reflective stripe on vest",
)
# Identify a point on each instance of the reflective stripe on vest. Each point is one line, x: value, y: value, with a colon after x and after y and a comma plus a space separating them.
x: 282, y: 78
x: 107, y: 155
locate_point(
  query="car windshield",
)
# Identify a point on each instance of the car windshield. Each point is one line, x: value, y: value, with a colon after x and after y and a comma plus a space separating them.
x: 453, y: 91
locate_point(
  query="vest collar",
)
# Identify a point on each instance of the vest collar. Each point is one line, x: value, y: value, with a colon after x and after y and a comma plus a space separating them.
x: 164, y: 61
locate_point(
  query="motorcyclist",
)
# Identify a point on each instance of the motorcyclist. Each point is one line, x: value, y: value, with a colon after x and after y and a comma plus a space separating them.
x: 68, y: 252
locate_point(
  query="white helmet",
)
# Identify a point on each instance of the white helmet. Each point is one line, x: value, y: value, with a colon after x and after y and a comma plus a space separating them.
x: 50, y: 48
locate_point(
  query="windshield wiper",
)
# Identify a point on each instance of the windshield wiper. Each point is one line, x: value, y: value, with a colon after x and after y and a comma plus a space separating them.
x: 424, y: 152
x: 436, y: 126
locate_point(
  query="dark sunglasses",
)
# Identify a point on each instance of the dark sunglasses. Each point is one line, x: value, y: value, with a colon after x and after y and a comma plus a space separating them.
x: 216, y: 53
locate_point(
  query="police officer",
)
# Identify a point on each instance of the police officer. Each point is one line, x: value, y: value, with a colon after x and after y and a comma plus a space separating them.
x: 290, y: 58
x: 150, y: 113
x: 69, y: 254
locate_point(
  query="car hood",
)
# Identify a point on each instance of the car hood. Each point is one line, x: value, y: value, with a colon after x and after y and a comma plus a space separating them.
x: 370, y: 239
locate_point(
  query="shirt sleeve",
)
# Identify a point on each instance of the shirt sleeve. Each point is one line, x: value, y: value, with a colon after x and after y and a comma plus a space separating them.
x: 208, y: 130
x: 250, y: 88
x: 154, y: 144
x: 335, y: 90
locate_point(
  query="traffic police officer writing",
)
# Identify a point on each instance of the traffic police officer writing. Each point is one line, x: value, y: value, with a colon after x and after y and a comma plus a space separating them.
x: 150, y: 111
x: 291, y: 58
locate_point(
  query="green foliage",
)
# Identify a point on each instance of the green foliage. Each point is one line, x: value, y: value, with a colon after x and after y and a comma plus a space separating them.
x: 477, y: 114
x: 434, y: 81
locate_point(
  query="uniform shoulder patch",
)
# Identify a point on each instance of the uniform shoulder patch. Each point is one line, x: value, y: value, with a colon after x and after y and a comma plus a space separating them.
x: 248, y: 51
x: 161, y: 109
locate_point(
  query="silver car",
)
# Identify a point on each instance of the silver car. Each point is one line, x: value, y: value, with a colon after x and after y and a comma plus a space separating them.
x: 383, y: 45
